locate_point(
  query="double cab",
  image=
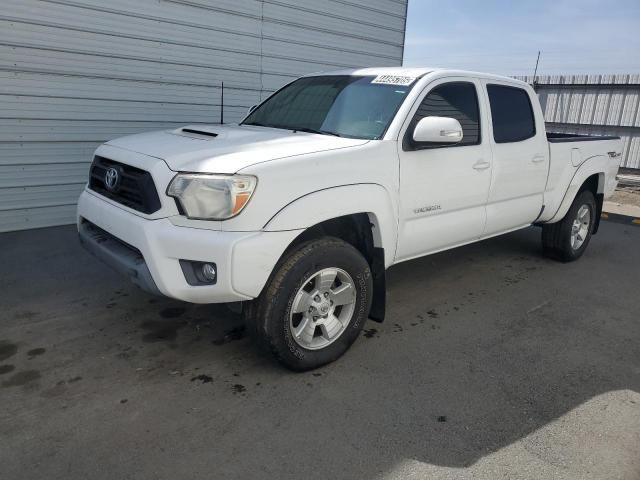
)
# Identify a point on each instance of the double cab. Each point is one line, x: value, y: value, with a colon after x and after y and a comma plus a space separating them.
x: 298, y: 211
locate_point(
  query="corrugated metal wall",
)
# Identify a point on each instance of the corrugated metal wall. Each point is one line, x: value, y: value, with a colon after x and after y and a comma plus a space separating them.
x: 75, y: 73
x: 594, y: 105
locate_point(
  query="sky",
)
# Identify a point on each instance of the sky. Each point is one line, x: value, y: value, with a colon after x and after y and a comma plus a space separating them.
x: 503, y: 37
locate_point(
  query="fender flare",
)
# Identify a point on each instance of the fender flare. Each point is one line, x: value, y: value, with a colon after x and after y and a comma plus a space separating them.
x: 596, y: 165
x: 326, y: 204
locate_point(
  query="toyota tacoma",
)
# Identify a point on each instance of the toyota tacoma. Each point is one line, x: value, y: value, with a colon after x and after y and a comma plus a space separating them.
x: 298, y: 211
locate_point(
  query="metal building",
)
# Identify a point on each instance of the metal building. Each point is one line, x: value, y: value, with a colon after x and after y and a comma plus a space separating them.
x: 75, y: 73
x: 594, y: 105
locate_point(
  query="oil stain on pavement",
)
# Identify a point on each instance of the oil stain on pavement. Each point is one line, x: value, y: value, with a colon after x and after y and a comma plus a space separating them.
x: 7, y: 349
x: 21, y: 378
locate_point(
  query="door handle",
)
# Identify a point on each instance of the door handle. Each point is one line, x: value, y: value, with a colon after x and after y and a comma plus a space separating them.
x: 538, y: 158
x: 481, y: 165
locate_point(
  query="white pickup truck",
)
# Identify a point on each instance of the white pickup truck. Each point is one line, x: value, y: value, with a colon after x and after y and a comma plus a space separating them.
x: 298, y: 211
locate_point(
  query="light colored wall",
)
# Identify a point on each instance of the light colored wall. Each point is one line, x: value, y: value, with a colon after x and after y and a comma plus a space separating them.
x: 75, y: 73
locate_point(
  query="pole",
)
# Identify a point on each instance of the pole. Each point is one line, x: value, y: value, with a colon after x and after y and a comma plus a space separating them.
x: 536, y: 69
x: 222, y: 103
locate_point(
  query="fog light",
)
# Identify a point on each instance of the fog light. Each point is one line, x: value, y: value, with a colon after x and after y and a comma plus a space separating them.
x: 199, y: 273
x: 209, y: 272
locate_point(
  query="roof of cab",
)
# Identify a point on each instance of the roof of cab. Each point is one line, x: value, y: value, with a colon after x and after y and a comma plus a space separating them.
x: 415, y: 72
x: 407, y: 71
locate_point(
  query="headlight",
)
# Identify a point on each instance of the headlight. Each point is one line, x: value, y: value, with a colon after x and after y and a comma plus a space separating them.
x: 212, y: 197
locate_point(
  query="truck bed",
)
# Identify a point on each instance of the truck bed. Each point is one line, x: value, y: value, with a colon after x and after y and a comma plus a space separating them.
x: 567, y: 154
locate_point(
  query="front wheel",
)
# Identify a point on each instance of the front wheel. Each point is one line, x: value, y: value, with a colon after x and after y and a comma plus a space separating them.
x: 315, y: 304
x: 567, y: 239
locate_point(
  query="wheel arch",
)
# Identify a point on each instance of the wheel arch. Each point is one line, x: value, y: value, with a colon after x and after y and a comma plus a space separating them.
x: 361, y: 215
x: 357, y: 201
x: 589, y: 176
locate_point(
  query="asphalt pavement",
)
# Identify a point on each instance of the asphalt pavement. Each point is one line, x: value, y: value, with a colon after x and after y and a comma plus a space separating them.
x: 494, y: 362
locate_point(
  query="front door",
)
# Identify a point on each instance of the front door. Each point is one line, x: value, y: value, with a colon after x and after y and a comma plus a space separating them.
x: 444, y: 188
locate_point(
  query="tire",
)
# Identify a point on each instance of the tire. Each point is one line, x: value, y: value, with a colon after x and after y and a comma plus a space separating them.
x: 567, y: 239
x: 295, y: 315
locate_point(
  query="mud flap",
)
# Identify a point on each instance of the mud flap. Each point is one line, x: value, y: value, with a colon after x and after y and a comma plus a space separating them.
x: 378, y: 304
x: 599, y: 204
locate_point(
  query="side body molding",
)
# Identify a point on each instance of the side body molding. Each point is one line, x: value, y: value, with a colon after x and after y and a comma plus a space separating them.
x: 321, y: 205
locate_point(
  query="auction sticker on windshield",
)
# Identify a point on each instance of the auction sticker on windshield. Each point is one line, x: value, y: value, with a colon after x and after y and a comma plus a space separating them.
x: 394, y: 79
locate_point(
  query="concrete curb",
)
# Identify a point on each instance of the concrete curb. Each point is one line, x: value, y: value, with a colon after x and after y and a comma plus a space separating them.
x: 617, y: 218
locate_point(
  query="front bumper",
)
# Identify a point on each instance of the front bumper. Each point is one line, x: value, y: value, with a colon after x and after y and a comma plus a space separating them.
x: 124, y: 258
x: 148, y: 252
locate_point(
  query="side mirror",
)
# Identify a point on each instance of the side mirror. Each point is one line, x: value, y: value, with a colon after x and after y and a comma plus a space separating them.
x: 438, y: 130
x: 251, y: 109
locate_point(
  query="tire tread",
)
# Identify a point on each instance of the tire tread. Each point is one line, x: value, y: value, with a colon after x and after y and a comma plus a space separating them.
x: 555, y: 235
x: 262, y: 309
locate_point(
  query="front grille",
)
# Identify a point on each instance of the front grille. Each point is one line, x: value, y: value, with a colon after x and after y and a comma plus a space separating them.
x: 135, y: 189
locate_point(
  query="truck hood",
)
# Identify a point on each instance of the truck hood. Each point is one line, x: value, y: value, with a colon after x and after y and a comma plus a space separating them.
x: 227, y: 148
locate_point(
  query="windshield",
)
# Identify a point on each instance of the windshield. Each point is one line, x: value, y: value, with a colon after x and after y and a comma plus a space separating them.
x: 343, y: 105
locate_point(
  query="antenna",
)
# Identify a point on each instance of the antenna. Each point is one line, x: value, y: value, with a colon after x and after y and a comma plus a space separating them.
x: 536, y: 69
x: 222, y: 103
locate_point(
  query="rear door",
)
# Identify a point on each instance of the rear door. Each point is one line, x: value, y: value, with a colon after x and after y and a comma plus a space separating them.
x: 520, y: 158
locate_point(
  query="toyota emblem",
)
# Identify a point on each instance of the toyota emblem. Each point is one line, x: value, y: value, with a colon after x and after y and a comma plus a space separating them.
x: 112, y: 179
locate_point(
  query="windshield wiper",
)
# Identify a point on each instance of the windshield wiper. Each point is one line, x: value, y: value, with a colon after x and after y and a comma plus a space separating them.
x: 313, y: 130
x: 296, y: 129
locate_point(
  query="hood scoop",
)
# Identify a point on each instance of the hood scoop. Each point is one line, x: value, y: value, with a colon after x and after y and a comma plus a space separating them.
x: 197, y: 132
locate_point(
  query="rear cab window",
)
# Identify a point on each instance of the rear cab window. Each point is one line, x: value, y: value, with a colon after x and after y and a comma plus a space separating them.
x: 511, y: 114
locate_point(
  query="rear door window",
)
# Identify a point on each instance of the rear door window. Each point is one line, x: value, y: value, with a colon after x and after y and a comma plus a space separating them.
x: 511, y: 114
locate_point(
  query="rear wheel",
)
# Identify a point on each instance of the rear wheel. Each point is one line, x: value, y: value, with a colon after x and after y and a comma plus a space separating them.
x: 315, y: 304
x: 567, y: 239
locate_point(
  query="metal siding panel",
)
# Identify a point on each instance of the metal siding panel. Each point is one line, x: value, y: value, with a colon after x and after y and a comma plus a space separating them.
x: 563, y: 107
x: 588, y: 108
x: 615, y: 108
x: 51, y: 39
x: 575, y: 104
x: 611, y: 106
x: 120, y: 67
x: 236, y: 16
x: 39, y: 174
x: 320, y: 53
x: 114, y: 22
x: 395, y: 7
x: 29, y: 130
x: 47, y: 108
x: 26, y: 218
x: 324, y: 10
x: 67, y: 86
x: 602, y: 108
x: 320, y: 22
x: 44, y: 153
x: 181, y: 8
x: 629, y: 108
x: 334, y: 41
x: 39, y: 196
x: 75, y: 73
x: 374, y: 14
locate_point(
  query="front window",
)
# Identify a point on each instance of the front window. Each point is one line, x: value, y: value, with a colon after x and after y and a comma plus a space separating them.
x: 342, y: 105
